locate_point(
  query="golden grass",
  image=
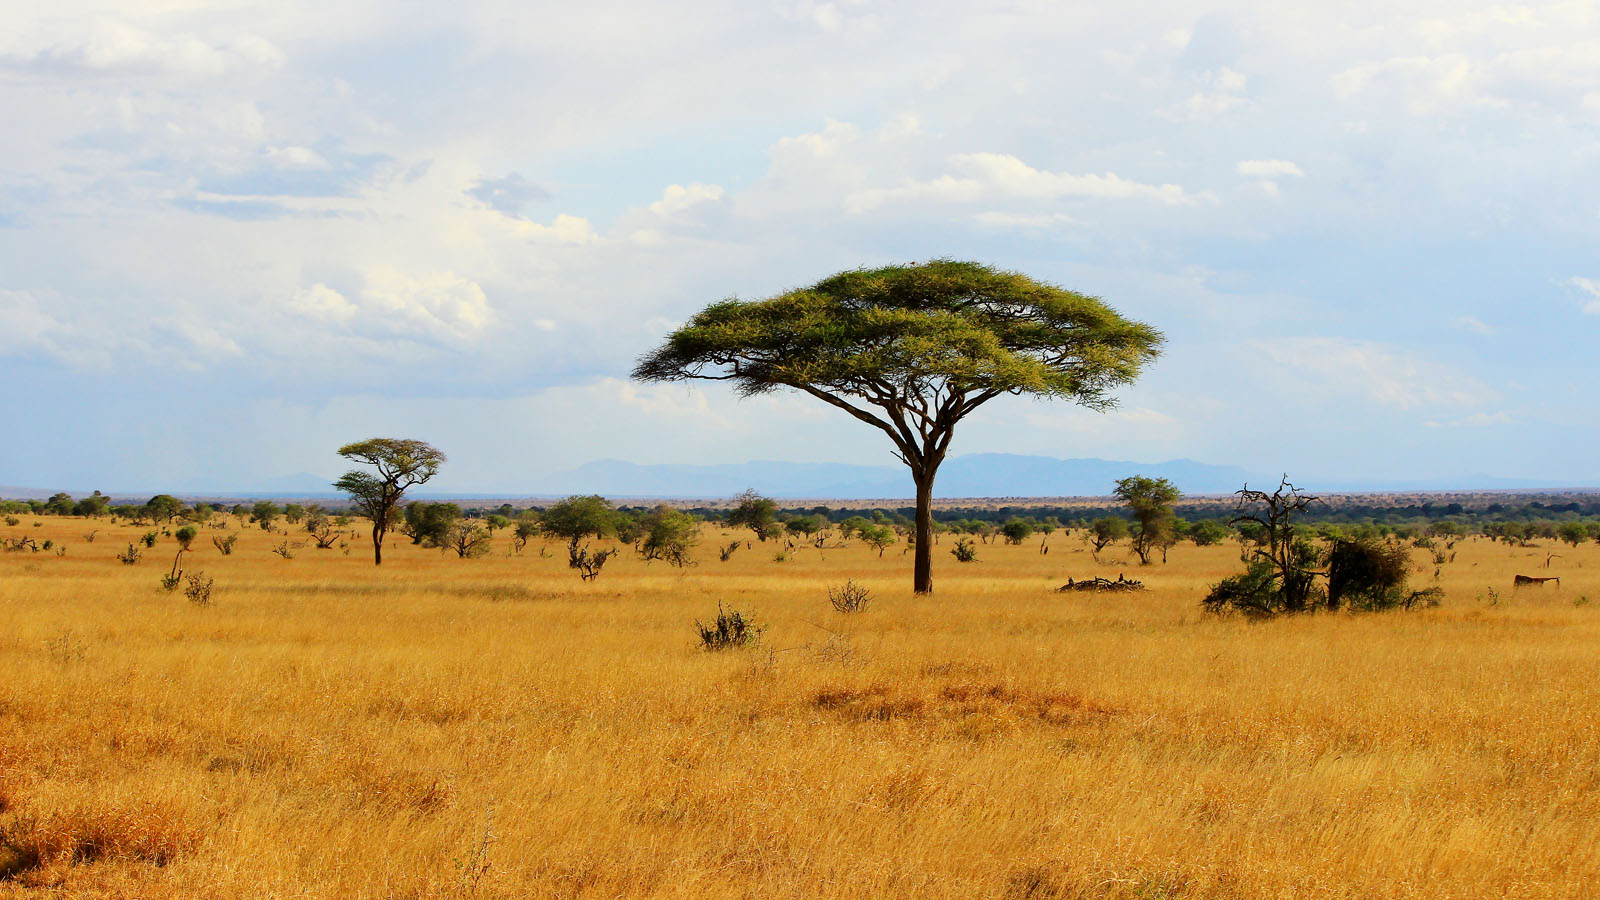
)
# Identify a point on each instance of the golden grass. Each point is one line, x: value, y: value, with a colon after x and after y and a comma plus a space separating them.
x: 494, y: 728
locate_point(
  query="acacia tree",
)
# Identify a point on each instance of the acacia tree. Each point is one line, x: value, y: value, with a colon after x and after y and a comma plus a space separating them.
x: 755, y: 512
x: 1151, y: 501
x: 400, y: 464
x: 912, y: 350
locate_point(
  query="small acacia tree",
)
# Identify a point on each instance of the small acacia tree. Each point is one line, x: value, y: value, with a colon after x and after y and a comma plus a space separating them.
x: 578, y: 519
x: 1150, y: 500
x: 1017, y: 530
x: 400, y: 464
x: 912, y: 350
x: 1106, y: 531
x: 755, y: 512
x: 669, y: 534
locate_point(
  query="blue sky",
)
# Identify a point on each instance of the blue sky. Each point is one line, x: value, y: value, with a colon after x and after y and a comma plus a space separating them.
x: 234, y: 236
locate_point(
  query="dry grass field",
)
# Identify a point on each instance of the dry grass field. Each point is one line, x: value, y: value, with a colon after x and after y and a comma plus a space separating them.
x: 493, y: 728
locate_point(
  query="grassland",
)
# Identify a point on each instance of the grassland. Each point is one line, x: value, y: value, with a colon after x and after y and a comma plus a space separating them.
x: 494, y: 728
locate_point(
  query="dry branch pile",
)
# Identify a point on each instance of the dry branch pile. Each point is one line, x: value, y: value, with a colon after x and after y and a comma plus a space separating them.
x: 1100, y: 585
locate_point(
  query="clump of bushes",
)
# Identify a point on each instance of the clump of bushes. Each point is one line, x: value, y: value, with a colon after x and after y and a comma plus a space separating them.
x: 1281, y: 576
x: 1371, y: 575
x: 1360, y: 575
x: 963, y: 551
x: 731, y: 630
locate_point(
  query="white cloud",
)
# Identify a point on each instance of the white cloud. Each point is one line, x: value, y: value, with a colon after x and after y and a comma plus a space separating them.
x: 1590, y: 287
x: 322, y: 303
x: 1023, y: 220
x: 1385, y: 375
x: 114, y: 47
x: 1221, y: 91
x: 296, y: 158
x: 438, y: 304
x: 23, y: 325
x: 1473, y: 324
x: 1268, y: 168
x: 677, y: 198
x: 981, y: 176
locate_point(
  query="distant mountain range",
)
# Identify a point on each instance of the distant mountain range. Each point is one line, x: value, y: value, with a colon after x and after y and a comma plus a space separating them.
x: 974, y: 475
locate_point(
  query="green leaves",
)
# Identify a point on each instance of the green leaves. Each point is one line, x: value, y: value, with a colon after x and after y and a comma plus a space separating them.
x: 914, y: 329
x: 399, y: 461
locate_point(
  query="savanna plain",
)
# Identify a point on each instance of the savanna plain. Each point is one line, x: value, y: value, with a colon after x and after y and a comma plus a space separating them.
x: 495, y: 728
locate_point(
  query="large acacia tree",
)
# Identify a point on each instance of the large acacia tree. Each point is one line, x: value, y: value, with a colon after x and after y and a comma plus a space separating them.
x: 399, y: 464
x: 911, y: 350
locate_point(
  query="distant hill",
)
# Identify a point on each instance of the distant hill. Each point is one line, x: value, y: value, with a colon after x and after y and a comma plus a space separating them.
x: 974, y: 475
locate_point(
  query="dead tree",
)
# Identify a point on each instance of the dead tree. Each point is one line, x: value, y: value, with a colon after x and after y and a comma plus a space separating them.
x: 1292, y: 560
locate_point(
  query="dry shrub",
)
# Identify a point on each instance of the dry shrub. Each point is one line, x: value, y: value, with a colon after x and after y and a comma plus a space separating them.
x: 849, y: 597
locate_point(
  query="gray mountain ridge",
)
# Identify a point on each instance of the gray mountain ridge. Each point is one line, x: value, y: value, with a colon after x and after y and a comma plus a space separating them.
x: 973, y: 475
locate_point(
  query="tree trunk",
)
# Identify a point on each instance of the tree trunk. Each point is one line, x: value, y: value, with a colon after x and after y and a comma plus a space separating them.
x: 922, y: 577
x: 377, y: 545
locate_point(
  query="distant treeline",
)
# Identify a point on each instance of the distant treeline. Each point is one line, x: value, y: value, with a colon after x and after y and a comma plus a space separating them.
x: 1511, y: 515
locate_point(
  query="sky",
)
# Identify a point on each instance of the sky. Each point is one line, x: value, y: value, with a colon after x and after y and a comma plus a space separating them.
x: 235, y: 235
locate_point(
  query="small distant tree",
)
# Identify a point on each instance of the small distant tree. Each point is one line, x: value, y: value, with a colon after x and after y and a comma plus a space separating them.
x: 526, y: 528
x: 880, y: 536
x: 1106, y: 531
x: 185, y: 536
x: 755, y: 512
x: 1207, y: 532
x: 430, y: 524
x: 263, y: 512
x: 496, y: 522
x: 322, y: 532
x: 1573, y: 533
x: 399, y: 465
x: 92, y: 506
x: 294, y: 512
x: 669, y: 535
x: 804, y: 526
x: 468, y: 539
x: 1150, y: 500
x: 1017, y: 530
x: 577, y: 520
x: 629, y: 526
x: 852, y: 525
x: 163, y: 507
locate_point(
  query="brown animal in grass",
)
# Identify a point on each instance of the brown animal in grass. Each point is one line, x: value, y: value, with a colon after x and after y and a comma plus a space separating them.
x: 1535, y: 580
